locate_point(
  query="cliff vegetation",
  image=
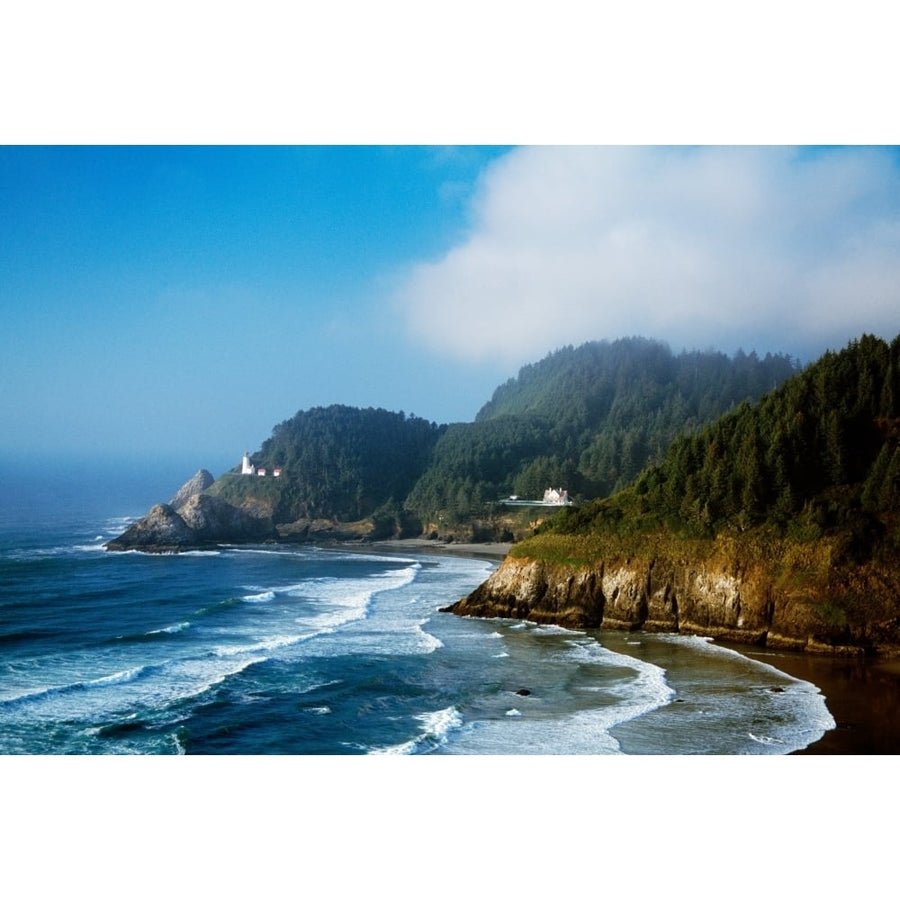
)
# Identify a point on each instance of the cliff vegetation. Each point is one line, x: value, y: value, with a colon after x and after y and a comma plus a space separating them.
x: 777, y: 524
x: 339, y: 464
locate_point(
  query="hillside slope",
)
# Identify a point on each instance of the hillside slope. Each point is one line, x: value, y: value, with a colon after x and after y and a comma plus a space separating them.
x: 778, y: 524
x: 336, y: 462
x: 588, y: 419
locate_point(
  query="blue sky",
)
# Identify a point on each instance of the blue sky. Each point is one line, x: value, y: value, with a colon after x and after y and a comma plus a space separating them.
x: 183, y: 300
x: 177, y: 302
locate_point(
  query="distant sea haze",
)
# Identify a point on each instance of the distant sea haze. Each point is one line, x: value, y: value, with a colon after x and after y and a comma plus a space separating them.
x: 54, y: 488
x: 270, y: 649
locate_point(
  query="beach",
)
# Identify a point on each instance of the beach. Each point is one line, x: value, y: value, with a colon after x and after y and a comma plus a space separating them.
x: 862, y: 693
x: 493, y: 551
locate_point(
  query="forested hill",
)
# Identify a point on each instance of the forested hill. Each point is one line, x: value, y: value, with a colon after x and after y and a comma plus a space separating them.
x: 777, y: 525
x: 819, y: 456
x: 614, y: 380
x: 338, y: 462
x: 588, y: 419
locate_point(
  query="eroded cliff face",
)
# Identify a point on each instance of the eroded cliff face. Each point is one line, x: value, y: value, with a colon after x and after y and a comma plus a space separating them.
x: 722, y: 600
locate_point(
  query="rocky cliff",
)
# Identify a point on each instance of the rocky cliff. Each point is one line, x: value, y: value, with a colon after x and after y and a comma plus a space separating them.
x: 199, y: 520
x: 196, y: 485
x: 721, y: 597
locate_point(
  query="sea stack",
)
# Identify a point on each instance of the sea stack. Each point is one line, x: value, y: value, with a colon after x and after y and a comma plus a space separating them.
x: 193, y: 520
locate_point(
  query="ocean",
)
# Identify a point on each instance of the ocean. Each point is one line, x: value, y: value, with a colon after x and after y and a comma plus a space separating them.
x: 296, y: 650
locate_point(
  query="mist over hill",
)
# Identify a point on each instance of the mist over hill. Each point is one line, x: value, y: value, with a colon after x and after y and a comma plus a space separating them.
x: 586, y: 418
x: 820, y: 454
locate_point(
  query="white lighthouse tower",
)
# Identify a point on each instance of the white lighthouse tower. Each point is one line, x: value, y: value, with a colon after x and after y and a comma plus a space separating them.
x: 247, y: 467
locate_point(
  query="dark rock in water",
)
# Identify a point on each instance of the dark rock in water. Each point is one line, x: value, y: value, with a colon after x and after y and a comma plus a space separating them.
x: 202, y: 521
x: 523, y: 692
x: 196, y: 485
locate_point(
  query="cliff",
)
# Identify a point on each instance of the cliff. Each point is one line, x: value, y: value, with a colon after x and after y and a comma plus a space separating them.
x: 200, y: 520
x: 723, y: 591
x: 777, y: 525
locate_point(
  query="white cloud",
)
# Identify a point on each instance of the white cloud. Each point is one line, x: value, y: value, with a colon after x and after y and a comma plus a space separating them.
x: 764, y: 248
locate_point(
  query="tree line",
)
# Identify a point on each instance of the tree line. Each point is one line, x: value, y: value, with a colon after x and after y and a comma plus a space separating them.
x: 589, y: 419
x: 821, y: 453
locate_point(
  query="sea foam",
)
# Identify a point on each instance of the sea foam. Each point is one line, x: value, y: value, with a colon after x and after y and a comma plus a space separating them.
x: 170, y: 629
x: 434, y: 729
x: 261, y: 597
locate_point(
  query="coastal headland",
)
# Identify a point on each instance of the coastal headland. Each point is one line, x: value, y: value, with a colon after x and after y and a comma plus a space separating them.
x: 730, y: 589
x: 193, y: 520
x: 726, y: 589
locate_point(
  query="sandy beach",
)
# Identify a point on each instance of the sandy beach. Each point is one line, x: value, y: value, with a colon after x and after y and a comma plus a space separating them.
x: 423, y: 545
x: 863, y: 695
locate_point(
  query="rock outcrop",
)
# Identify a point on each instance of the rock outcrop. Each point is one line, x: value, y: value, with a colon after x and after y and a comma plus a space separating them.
x: 196, y: 485
x: 722, y: 600
x: 214, y: 520
x: 325, y: 531
x: 199, y: 521
x: 161, y: 530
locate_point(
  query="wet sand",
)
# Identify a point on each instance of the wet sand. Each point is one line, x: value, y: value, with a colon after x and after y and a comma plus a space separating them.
x: 862, y: 694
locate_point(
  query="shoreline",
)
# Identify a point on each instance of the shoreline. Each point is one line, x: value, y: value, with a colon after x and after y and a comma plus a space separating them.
x: 492, y: 551
x: 861, y: 693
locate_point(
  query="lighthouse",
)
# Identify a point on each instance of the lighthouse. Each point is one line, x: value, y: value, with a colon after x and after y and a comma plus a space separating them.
x: 247, y: 467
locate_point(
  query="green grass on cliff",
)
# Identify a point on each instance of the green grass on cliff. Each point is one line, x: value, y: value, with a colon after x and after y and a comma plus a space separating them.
x: 785, y: 558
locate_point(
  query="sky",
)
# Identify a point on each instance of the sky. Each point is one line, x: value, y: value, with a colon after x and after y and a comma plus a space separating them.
x: 182, y: 300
